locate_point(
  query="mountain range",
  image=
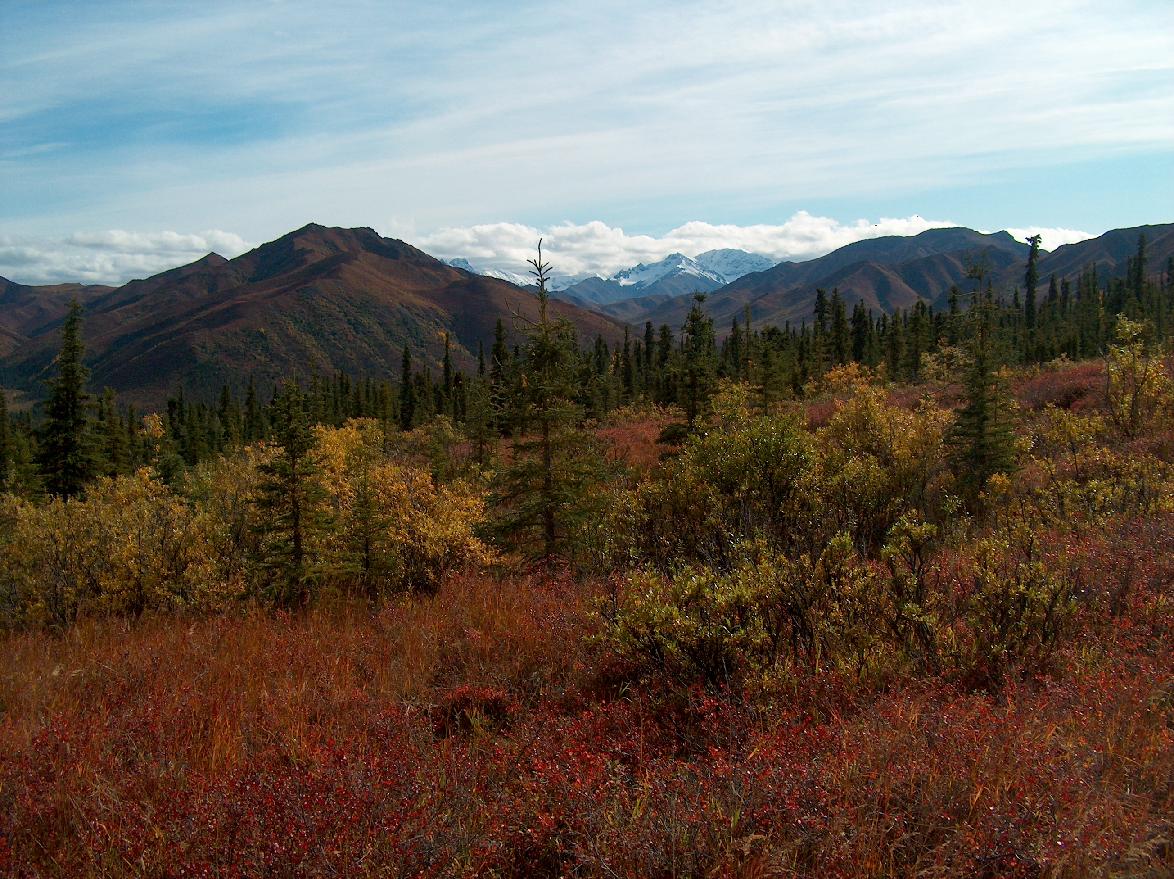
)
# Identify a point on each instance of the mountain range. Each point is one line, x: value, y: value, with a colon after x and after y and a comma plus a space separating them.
x: 321, y: 300
x: 674, y: 275
x: 318, y: 300
x: 895, y: 272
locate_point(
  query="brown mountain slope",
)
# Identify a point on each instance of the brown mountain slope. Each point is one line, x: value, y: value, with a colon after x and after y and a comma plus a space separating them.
x: 26, y: 311
x: 895, y: 272
x: 884, y: 273
x: 1111, y: 252
x: 316, y: 300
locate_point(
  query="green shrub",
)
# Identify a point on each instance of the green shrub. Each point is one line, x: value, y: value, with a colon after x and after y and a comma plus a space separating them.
x: 722, y: 625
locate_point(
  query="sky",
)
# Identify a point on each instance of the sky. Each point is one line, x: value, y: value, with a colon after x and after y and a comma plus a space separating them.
x: 135, y: 137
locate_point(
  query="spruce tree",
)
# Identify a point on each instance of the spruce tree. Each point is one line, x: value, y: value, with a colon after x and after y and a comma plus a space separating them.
x: 407, y: 392
x: 1138, y: 269
x: 1031, y: 283
x: 5, y: 444
x: 982, y: 438
x: 861, y: 329
x: 698, y: 361
x: 67, y: 458
x: 290, y: 502
x: 627, y: 369
x: 499, y: 355
x: 479, y: 419
x: 112, y: 435
x: 839, y: 329
x: 542, y: 494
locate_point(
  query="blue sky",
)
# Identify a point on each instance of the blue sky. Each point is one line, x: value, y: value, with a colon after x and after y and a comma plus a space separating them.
x: 136, y: 136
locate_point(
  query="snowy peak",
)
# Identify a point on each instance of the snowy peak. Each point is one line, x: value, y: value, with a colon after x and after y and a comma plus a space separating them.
x: 719, y: 267
x: 512, y: 277
x: 644, y: 275
x: 673, y: 275
x: 731, y: 264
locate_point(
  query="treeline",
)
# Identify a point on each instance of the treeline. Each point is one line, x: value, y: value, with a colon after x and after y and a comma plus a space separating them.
x: 377, y: 487
x: 1035, y: 324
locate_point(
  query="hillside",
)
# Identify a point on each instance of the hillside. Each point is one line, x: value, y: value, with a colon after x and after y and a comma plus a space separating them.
x: 27, y: 310
x: 894, y: 272
x: 317, y: 300
x: 1111, y: 252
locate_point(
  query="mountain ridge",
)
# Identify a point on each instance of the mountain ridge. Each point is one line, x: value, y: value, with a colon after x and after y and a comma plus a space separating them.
x: 316, y: 300
x: 894, y: 272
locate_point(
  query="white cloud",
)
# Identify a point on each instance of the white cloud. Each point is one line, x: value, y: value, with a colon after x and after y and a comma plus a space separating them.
x: 121, y: 241
x: 110, y: 257
x: 597, y: 248
x: 115, y: 255
x: 1051, y: 238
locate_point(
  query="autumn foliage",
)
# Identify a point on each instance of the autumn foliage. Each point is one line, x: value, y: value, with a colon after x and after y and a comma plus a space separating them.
x: 789, y: 647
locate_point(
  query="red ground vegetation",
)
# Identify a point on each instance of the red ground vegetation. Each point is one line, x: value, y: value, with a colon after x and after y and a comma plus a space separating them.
x: 634, y: 441
x: 1079, y: 387
x: 483, y: 732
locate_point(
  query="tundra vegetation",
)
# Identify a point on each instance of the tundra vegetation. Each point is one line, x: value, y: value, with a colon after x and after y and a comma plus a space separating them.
x: 872, y: 597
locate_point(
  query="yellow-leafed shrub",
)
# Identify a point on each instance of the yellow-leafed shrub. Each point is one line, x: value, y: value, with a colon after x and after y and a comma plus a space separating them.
x: 131, y: 545
x: 392, y: 528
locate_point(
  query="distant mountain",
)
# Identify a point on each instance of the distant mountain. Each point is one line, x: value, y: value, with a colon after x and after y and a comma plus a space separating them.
x: 319, y: 300
x: 26, y: 310
x: 885, y: 273
x: 675, y: 275
x: 316, y: 300
x: 730, y: 264
x: 521, y: 279
x: 510, y: 277
x: 1111, y: 252
x: 894, y: 272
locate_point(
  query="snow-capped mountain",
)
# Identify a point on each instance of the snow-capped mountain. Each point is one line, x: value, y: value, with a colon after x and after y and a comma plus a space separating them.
x: 557, y: 282
x: 674, y: 275
x: 513, y: 277
x: 731, y: 264
x: 644, y: 275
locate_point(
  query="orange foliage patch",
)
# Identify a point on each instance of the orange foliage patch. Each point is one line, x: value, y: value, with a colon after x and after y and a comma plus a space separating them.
x: 635, y: 442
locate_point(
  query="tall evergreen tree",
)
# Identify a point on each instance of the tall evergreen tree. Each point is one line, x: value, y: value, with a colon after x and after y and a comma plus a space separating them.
x: 407, y: 392
x: 67, y: 457
x: 698, y: 360
x: 499, y: 355
x: 5, y: 444
x: 839, y: 343
x: 1138, y: 269
x: 861, y: 329
x: 1031, y: 283
x: 479, y: 419
x: 112, y: 435
x: 542, y: 493
x: 290, y: 501
x: 982, y: 438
